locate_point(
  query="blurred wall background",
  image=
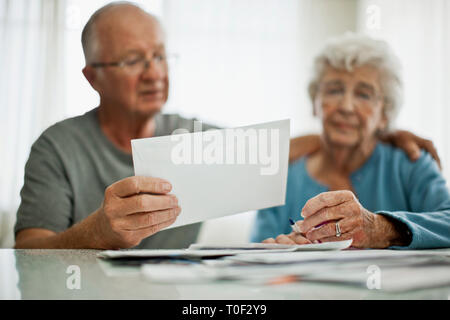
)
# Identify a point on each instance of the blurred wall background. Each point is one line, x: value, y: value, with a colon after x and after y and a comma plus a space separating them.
x: 240, y: 62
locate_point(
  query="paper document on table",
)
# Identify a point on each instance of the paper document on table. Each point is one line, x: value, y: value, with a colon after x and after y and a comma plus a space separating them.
x: 392, y: 278
x: 394, y: 256
x: 219, y: 172
x: 205, y: 251
x: 326, y: 246
x: 183, y: 253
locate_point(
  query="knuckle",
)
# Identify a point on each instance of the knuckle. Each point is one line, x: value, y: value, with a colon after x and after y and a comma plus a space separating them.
x: 171, y: 201
x: 150, y: 219
x: 158, y: 186
x: 154, y: 229
x: 135, y: 184
x: 331, y: 229
x: 173, y: 213
x: 322, y: 197
x: 140, y: 202
x: 348, y: 194
x: 327, y: 214
x: 354, y: 207
x: 108, y: 192
x: 154, y: 185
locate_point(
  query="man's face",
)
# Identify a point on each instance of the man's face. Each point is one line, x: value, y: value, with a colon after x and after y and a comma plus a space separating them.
x: 350, y: 105
x: 130, y: 37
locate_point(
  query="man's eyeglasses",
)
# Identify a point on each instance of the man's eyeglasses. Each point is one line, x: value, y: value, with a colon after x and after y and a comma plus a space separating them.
x: 137, y: 64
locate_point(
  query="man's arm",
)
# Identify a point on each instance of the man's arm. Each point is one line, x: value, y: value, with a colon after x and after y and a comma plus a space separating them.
x: 405, y: 140
x: 411, y: 144
x: 303, y: 145
x: 133, y: 209
x: 79, y: 236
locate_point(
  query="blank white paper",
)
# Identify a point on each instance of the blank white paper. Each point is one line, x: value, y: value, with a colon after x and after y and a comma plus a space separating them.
x: 208, y: 190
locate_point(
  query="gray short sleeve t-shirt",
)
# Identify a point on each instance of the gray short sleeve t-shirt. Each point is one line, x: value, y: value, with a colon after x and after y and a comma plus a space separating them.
x: 70, y: 166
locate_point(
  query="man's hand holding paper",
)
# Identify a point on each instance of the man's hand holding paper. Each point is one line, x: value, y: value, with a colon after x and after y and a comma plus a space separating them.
x: 133, y: 209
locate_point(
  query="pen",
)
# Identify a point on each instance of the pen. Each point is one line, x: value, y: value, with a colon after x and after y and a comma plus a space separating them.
x: 294, y: 226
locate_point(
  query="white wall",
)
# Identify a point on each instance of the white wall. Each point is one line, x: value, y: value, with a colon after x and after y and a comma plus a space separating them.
x: 419, y: 33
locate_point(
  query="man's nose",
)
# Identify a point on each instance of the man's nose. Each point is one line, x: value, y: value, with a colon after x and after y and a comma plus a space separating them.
x: 152, y: 70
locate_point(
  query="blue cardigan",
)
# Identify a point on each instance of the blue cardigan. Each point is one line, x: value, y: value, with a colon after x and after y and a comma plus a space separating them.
x: 388, y: 183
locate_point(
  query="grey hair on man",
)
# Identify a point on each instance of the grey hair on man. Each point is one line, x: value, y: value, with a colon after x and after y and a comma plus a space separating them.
x: 89, y: 36
x: 352, y: 50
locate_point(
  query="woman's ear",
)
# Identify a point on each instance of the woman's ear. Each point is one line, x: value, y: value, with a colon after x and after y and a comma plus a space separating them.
x: 316, y: 105
x: 383, y: 126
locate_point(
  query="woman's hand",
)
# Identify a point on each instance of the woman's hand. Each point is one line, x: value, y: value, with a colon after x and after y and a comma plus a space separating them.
x: 292, y: 238
x: 368, y: 230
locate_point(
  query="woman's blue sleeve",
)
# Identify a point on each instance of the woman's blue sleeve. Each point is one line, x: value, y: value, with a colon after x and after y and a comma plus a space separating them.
x: 429, y: 217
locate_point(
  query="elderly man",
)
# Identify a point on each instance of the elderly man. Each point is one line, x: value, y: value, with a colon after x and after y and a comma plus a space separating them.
x: 79, y: 189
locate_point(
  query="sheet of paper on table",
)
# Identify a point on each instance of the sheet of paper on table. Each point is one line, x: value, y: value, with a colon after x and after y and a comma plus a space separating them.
x: 206, y: 251
x: 336, y: 256
x: 219, y: 172
x: 326, y: 246
x: 181, y: 253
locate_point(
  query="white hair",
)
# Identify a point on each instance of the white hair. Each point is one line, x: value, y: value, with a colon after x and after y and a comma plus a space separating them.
x: 89, y: 36
x: 352, y: 50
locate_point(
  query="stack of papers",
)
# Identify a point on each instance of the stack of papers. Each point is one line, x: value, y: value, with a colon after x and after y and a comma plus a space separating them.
x: 199, y: 251
x: 207, y: 251
x: 261, y: 263
x: 397, y: 270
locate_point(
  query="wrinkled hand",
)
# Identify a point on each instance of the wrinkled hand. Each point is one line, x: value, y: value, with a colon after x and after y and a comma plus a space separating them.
x: 133, y: 209
x: 292, y: 238
x: 365, y: 228
x: 411, y: 144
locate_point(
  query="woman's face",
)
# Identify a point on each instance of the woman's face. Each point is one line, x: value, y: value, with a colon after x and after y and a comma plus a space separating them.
x: 350, y: 105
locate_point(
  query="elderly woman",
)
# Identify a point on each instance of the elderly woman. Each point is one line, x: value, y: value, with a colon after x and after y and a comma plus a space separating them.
x: 354, y: 186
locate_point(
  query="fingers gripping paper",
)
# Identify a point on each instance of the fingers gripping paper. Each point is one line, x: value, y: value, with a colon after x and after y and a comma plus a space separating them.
x: 219, y: 172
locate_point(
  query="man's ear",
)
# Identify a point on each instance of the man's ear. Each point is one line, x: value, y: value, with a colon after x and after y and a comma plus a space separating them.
x: 91, y: 76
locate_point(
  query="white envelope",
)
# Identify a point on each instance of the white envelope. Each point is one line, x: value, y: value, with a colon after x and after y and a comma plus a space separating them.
x: 211, y: 176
